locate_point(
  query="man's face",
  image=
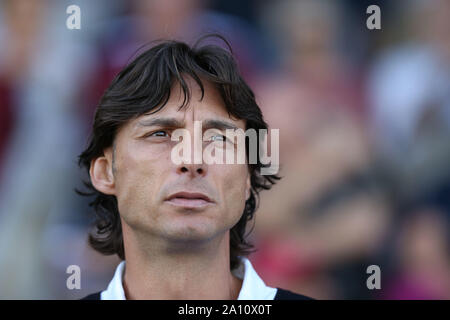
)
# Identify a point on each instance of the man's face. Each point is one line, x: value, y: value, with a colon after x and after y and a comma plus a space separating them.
x: 160, y: 198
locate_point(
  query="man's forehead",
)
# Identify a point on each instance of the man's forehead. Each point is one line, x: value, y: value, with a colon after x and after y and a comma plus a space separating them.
x: 208, y: 107
x: 194, y: 111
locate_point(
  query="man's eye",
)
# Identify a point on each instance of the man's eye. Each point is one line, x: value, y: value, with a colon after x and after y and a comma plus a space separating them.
x: 159, y: 133
x: 218, y: 137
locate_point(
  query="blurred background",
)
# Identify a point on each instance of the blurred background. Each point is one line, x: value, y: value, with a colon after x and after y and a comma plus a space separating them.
x: 364, y: 119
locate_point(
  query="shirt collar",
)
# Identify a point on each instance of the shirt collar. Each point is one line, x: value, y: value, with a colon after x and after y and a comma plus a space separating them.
x: 253, y: 287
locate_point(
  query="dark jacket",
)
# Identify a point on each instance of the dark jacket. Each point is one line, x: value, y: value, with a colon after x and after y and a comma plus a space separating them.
x: 281, y: 295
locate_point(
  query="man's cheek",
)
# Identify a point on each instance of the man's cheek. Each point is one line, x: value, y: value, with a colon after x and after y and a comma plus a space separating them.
x: 235, y: 177
x: 235, y: 190
x: 135, y: 202
x: 132, y: 189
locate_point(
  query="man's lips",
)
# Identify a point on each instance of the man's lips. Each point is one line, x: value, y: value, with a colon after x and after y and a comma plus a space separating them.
x: 189, y: 199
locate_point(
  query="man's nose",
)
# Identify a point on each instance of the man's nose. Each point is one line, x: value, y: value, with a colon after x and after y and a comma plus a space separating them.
x: 194, y: 164
x: 192, y: 169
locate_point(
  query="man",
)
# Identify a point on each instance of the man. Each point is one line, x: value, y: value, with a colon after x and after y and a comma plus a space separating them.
x: 178, y: 227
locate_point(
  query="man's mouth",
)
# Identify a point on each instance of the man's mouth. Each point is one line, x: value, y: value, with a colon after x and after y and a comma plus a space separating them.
x: 189, y: 199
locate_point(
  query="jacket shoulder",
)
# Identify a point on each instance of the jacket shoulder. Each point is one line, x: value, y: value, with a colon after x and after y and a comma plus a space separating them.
x: 93, y: 296
x: 283, y: 294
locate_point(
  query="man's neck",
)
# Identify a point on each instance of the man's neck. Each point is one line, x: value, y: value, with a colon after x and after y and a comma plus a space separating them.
x: 198, y: 273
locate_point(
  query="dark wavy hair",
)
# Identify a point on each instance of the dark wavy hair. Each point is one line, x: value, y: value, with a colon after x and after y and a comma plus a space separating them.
x: 143, y: 87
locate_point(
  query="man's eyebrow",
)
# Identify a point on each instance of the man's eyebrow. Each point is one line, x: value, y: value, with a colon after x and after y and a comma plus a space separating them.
x: 162, y: 122
x: 218, y: 124
x: 174, y: 123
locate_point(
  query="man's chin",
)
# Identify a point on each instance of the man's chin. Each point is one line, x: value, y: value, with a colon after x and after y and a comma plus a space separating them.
x: 185, y: 242
x: 192, y: 232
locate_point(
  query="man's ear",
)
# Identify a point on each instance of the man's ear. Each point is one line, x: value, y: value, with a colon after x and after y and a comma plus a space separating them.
x: 101, y: 173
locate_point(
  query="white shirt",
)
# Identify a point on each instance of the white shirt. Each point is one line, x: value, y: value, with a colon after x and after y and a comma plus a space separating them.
x: 253, y: 287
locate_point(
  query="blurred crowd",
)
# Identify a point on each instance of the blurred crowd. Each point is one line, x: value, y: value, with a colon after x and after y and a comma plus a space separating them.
x: 364, y: 119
